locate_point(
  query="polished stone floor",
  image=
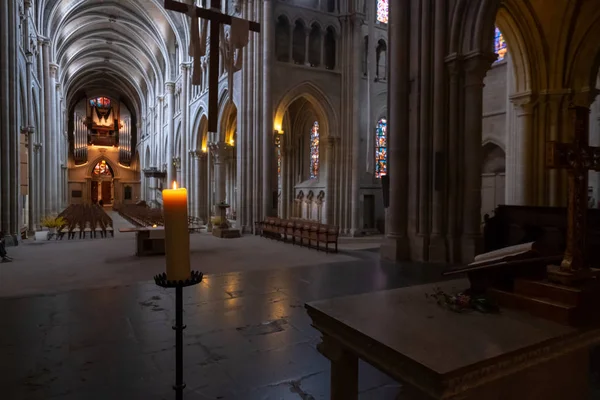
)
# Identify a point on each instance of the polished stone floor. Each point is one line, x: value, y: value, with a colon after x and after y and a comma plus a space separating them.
x: 248, y: 336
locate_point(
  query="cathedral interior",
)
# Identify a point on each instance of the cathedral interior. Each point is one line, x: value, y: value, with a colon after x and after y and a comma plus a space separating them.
x: 410, y: 121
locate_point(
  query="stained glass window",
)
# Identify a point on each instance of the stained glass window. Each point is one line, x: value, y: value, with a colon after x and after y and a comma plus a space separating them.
x: 102, y: 169
x: 382, y: 11
x: 314, y: 151
x: 499, y: 45
x: 100, y: 102
x: 381, y: 149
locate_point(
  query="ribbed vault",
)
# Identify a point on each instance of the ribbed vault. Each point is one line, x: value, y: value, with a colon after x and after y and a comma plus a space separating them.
x: 122, y: 48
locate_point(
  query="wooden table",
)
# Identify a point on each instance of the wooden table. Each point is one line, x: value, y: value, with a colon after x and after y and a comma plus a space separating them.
x: 439, y: 354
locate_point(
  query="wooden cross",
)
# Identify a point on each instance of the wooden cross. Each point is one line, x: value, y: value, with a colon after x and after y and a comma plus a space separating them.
x: 216, y: 20
x: 577, y: 158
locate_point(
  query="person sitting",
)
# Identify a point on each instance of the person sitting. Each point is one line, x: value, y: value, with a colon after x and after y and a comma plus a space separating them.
x: 3, y: 254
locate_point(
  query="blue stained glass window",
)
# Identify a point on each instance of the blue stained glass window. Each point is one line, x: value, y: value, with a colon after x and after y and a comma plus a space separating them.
x: 314, y: 151
x: 382, y: 11
x: 381, y: 149
x: 499, y: 45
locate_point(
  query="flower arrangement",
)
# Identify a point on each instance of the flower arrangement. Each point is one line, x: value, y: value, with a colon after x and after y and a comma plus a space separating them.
x: 464, y: 302
x: 53, y: 222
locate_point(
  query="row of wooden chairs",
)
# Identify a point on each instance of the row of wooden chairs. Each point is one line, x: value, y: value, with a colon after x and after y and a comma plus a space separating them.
x: 141, y: 215
x: 298, y: 231
x: 83, y: 220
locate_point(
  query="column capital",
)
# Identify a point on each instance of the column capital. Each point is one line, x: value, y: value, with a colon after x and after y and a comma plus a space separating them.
x: 185, y: 66
x: 170, y: 87
x: 476, y: 67
x: 43, y: 41
x: 160, y: 99
x: 331, y: 141
x: 53, y: 69
x: 525, y: 102
x: 219, y: 150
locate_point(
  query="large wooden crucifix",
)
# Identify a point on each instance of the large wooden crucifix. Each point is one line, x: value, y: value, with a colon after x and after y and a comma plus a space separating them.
x: 216, y: 19
x: 577, y: 158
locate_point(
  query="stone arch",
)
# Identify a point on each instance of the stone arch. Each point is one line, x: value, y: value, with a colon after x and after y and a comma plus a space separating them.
x: 226, y: 104
x: 471, y: 26
x: 328, y: 119
x: 493, y: 158
x: 314, y: 45
x: 201, y: 133
x: 582, y: 71
x: 525, y: 45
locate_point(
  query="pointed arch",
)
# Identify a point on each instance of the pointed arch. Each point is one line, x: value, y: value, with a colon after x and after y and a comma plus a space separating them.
x: 114, y: 168
x: 200, y: 131
x: 328, y: 125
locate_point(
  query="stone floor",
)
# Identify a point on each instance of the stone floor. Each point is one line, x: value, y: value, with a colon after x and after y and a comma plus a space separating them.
x: 248, y: 336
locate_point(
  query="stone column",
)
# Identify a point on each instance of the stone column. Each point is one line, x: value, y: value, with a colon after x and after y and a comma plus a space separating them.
x: 201, y: 182
x: 185, y: 131
x: 437, y: 245
x: 521, y: 154
x: 396, y: 246
x: 171, y: 170
x: 306, y: 45
x: 29, y: 131
x: 267, y: 152
x: 41, y: 135
x: 475, y: 70
x: 209, y: 189
x: 193, y: 183
x: 53, y: 143
x: 330, y: 203
x: 220, y: 153
x: 48, y: 125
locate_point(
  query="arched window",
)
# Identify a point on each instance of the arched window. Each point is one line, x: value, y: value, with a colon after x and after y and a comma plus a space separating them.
x: 282, y: 39
x: 381, y: 149
x: 299, y: 43
x: 381, y: 53
x: 100, y: 102
x: 382, y: 11
x: 314, y: 151
x: 330, y: 49
x: 314, y: 46
x: 499, y: 45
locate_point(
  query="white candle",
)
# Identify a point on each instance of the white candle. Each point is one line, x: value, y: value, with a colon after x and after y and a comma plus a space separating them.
x: 177, y: 237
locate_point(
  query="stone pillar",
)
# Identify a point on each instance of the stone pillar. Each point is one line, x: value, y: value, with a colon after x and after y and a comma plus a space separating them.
x: 306, y: 45
x: 475, y: 70
x: 209, y: 189
x: 355, y: 38
x: 330, y: 199
x: 396, y: 246
x: 48, y: 125
x: 29, y: 131
x: 268, y: 208
x: 201, y: 182
x: 171, y: 170
x: 41, y: 131
x: 521, y: 154
x: 438, y: 245
x: 53, y: 143
x: 220, y: 153
x: 185, y: 137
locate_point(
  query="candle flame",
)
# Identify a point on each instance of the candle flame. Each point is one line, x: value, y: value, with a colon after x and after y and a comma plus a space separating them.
x: 154, y: 226
x: 174, y: 185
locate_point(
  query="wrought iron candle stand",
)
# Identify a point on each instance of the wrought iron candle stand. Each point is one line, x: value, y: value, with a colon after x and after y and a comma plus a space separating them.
x: 161, y: 280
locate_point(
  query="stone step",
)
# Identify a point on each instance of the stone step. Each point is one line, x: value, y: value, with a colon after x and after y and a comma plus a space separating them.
x: 547, y: 290
x: 544, y: 308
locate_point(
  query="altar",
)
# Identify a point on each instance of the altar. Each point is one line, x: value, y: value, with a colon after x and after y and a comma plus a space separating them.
x: 148, y: 241
x: 440, y: 354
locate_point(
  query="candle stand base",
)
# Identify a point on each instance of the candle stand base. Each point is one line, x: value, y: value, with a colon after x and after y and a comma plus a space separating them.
x: 161, y: 280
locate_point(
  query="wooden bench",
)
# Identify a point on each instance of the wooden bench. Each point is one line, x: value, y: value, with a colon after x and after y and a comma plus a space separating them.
x: 141, y: 215
x: 297, y: 231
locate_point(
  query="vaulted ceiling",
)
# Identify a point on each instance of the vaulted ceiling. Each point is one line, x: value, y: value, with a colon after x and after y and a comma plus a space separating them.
x: 121, y: 48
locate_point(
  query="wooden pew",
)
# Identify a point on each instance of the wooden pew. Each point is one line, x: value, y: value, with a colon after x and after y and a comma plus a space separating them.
x: 307, y: 233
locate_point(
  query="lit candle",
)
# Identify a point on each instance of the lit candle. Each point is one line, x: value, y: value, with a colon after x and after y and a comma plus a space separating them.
x: 177, y: 237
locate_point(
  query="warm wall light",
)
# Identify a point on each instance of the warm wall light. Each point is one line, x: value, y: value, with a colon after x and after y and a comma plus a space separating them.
x: 232, y: 142
x: 204, y: 149
x: 278, y: 128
